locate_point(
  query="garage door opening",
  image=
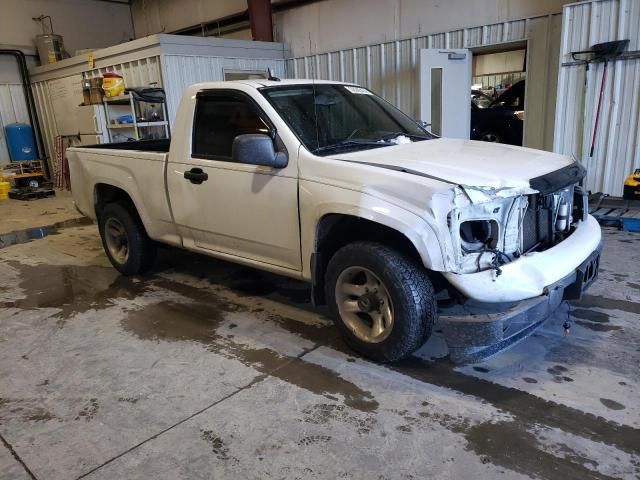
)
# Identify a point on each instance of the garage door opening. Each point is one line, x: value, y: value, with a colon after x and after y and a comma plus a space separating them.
x: 498, y: 95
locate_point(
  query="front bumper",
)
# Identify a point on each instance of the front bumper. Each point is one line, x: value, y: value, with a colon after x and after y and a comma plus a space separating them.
x: 477, y: 331
x: 529, y: 276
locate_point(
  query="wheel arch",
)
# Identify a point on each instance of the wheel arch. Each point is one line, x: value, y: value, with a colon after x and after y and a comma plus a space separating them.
x: 336, y: 230
x: 105, y: 193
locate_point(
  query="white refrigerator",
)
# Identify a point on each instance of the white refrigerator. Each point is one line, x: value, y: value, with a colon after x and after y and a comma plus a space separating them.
x: 92, y: 123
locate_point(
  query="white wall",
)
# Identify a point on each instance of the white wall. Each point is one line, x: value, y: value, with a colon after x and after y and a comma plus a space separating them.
x: 332, y: 25
x: 617, y: 142
x: 82, y: 23
x: 13, y: 108
x: 165, y: 16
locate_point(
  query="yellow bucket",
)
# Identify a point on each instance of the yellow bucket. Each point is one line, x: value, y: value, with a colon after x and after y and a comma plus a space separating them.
x: 112, y: 84
x: 4, y: 190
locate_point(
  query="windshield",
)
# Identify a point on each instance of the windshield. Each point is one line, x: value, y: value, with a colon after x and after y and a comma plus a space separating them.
x: 329, y: 118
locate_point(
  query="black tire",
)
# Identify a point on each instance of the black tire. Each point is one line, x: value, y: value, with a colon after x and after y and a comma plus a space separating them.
x: 495, y: 137
x: 410, y: 291
x: 141, y: 249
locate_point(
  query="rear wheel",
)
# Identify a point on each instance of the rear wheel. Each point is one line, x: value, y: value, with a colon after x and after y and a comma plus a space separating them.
x: 125, y: 240
x: 382, y: 300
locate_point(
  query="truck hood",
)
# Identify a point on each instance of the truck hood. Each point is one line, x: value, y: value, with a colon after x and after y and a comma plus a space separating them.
x: 465, y: 162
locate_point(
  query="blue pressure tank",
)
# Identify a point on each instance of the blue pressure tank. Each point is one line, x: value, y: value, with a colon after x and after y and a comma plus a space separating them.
x: 20, y: 141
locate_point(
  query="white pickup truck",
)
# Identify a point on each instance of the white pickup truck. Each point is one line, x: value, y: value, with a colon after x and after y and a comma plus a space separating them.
x: 328, y: 183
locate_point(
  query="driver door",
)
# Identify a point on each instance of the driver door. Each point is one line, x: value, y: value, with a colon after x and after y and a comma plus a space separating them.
x: 235, y: 209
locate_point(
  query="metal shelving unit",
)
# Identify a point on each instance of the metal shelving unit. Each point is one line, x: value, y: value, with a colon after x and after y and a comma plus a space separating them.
x: 113, y: 103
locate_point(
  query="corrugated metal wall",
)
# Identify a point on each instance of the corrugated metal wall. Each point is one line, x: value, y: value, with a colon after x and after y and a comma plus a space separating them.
x: 390, y: 69
x: 46, y: 118
x: 138, y: 73
x: 180, y: 71
x: 13, y: 108
x: 617, y: 148
x: 141, y: 72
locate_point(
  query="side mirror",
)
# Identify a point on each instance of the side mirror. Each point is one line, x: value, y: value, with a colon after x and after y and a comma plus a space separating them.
x: 257, y: 149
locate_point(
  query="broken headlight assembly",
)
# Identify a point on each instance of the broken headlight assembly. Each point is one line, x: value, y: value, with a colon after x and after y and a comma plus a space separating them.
x: 487, y: 235
x: 477, y: 234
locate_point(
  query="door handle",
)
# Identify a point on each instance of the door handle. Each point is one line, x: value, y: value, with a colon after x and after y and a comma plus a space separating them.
x: 196, y: 176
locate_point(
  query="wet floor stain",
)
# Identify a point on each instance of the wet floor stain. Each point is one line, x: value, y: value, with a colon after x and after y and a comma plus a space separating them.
x: 218, y: 446
x: 591, y: 315
x: 29, y: 234
x: 557, y: 369
x: 619, y: 276
x: 25, y: 410
x: 591, y: 301
x: 612, y: 404
x: 326, y: 413
x: 89, y: 410
x: 593, y: 320
x: 301, y: 373
x: 598, y: 327
x: 72, y: 289
x: 172, y: 321
x: 481, y: 369
x: 199, y: 319
x: 527, y: 409
x: 509, y: 445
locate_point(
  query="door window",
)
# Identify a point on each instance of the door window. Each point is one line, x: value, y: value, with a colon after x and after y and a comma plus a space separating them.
x: 219, y: 119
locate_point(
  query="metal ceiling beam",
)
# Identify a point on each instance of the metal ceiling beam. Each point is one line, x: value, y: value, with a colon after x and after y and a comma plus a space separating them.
x: 237, y: 18
x: 120, y: 2
x: 260, y: 20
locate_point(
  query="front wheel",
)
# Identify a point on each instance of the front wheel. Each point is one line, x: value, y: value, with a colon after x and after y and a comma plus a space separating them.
x: 382, y: 300
x: 491, y: 137
x: 125, y: 240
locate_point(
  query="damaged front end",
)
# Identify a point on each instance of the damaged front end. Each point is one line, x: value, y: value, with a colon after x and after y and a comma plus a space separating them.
x: 492, y: 227
x: 490, y: 234
x: 518, y: 253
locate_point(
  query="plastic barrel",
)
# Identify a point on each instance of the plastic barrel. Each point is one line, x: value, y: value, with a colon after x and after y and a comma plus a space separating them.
x: 20, y: 141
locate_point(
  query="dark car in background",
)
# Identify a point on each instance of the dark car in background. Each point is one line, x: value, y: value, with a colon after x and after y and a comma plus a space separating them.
x: 502, y: 120
x: 480, y: 99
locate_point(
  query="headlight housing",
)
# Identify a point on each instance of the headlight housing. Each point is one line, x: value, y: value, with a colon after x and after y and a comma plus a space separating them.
x: 476, y: 234
x: 483, y: 227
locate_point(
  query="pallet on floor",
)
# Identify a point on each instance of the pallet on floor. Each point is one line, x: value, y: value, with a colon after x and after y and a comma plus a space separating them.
x: 616, y: 211
x: 31, y: 194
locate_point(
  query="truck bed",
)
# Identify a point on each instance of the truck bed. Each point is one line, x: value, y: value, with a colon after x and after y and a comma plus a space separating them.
x: 137, y: 169
x: 139, y: 145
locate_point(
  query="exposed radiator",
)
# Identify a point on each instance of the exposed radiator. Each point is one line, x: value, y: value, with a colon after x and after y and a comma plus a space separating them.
x: 537, y: 226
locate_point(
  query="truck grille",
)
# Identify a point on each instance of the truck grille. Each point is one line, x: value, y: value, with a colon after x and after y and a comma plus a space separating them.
x: 537, y: 226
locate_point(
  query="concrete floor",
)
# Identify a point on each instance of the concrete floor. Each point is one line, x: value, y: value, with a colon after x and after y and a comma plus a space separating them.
x: 208, y: 370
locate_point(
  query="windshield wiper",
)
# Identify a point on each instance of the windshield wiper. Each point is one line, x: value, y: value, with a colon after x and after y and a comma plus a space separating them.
x: 351, y: 143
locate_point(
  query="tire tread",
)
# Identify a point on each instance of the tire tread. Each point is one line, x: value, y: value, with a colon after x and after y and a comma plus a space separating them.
x: 415, y: 282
